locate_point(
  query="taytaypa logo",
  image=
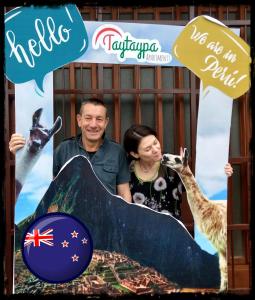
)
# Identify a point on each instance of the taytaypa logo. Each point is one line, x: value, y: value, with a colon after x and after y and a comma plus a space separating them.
x: 40, y: 39
x: 57, y: 247
x: 115, y: 41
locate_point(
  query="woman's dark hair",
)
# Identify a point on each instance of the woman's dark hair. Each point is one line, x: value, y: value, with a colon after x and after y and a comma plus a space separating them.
x: 133, y: 136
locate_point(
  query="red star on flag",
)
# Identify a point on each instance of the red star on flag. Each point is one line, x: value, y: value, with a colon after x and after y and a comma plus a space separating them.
x: 75, y: 258
x: 74, y: 234
x: 84, y: 241
x: 65, y: 244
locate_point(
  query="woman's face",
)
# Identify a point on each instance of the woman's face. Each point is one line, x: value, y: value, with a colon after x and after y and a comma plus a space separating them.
x: 149, y: 149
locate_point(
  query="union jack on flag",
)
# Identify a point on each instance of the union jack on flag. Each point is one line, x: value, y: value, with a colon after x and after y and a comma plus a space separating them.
x: 37, y: 238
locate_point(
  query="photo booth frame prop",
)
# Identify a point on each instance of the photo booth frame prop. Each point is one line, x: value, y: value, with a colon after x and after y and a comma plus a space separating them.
x: 125, y: 43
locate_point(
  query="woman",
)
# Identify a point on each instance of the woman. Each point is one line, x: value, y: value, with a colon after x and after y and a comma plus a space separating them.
x: 153, y: 184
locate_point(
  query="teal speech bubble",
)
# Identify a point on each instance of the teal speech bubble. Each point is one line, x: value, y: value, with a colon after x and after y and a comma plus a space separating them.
x: 39, y: 40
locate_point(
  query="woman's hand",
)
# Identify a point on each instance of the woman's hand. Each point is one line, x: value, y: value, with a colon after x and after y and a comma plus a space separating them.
x: 228, y: 170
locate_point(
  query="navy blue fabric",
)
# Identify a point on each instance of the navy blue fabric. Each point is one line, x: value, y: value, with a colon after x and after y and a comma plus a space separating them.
x: 149, y: 237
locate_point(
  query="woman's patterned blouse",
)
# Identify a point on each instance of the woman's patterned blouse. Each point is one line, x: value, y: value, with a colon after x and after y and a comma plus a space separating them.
x: 162, y: 194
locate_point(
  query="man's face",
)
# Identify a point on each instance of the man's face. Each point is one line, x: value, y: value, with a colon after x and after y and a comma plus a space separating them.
x: 92, y: 121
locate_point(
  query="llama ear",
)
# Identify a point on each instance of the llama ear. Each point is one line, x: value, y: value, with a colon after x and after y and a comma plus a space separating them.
x: 181, y: 152
x: 185, y: 156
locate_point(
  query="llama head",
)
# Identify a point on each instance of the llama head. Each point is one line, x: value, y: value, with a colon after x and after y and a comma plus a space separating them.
x: 176, y: 162
x: 40, y: 135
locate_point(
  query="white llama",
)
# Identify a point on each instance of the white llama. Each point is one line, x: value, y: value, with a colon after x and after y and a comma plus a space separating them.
x: 30, y: 153
x: 210, y: 217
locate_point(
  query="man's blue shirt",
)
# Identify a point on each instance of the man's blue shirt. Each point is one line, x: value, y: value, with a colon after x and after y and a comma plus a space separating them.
x: 109, y: 161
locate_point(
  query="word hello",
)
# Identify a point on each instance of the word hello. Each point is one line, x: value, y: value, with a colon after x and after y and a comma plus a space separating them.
x: 48, y: 36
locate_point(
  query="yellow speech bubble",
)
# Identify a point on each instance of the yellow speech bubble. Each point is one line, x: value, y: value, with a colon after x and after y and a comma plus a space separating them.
x: 215, y: 54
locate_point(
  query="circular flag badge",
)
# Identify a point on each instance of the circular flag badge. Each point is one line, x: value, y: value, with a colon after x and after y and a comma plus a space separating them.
x: 57, y: 247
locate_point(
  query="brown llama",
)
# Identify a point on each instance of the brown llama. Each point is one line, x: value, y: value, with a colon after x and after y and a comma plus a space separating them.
x: 209, y: 216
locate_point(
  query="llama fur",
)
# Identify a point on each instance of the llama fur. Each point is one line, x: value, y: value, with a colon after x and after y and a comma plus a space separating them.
x: 30, y: 153
x: 209, y: 216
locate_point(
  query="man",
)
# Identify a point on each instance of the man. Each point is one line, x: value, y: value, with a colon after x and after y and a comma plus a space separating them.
x: 107, y: 157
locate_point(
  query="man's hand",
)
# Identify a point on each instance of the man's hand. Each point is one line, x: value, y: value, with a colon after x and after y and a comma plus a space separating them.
x: 39, y: 135
x: 17, y: 142
x: 123, y: 190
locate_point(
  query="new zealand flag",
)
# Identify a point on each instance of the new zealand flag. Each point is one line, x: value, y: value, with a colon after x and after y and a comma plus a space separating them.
x: 57, y: 247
